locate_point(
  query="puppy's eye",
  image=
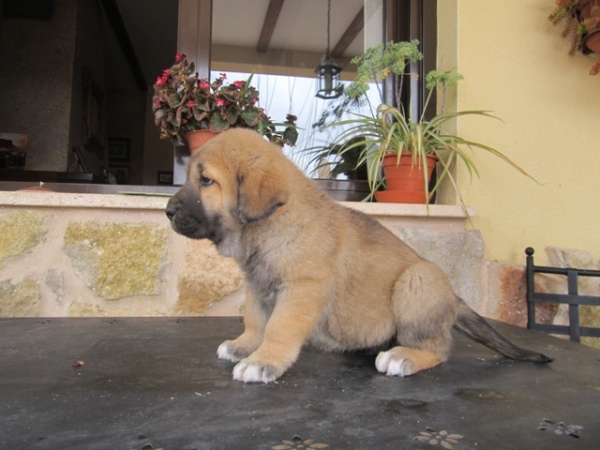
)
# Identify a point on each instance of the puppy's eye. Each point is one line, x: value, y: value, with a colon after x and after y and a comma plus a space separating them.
x: 205, y: 181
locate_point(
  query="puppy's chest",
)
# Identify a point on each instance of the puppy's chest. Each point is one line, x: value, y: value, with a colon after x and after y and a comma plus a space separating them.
x: 262, y: 277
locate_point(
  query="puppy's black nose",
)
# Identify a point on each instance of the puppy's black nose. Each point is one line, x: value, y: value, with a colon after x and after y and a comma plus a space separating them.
x: 171, y: 209
x: 170, y: 212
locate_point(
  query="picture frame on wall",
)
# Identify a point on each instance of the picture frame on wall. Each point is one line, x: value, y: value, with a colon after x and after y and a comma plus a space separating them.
x: 165, y: 177
x: 118, y: 149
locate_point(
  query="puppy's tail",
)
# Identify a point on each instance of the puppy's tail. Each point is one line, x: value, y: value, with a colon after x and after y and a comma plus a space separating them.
x: 474, y: 326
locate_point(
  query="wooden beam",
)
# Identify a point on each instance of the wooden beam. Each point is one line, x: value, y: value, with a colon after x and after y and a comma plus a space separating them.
x: 349, y: 35
x: 269, y: 25
x: 116, y: 21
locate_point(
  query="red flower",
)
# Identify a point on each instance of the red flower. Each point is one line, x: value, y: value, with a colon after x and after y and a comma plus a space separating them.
x: 204, y: 100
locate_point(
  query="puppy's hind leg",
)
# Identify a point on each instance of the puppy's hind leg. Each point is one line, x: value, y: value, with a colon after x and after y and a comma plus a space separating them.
x: 425, y: 310
x: 404, y: 361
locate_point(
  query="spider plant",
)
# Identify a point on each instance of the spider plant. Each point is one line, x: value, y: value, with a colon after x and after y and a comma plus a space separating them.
x: 391, y: 130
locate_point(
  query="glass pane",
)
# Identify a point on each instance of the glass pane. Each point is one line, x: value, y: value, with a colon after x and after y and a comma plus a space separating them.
x: 282, y: 94
x: 284, y: 64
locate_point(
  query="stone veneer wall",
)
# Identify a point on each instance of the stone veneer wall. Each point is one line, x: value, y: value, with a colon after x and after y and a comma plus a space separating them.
x: 101, y: 255
x: 83, y: 255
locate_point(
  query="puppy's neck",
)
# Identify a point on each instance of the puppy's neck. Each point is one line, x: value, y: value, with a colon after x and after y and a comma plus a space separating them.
x: 230, y: 245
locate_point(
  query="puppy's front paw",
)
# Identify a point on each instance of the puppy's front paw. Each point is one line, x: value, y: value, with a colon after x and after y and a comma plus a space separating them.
x: 231, y: 352
x: 393, y: 365
x: 253, y: 372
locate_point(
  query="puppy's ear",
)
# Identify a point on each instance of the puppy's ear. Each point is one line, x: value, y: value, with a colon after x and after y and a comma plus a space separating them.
x: 260, y: 193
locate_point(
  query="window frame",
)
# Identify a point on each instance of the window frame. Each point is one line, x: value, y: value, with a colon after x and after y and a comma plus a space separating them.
x: 403, y: 20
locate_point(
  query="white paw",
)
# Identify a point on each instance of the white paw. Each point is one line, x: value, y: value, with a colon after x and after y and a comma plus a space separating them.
x: 252, y: 372
x: 227, y: 351
x: 392, y: 365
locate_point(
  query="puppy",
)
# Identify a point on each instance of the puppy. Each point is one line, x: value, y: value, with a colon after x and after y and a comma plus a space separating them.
x: 317, y: 272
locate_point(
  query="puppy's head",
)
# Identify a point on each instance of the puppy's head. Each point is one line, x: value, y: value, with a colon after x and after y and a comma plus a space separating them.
x: 235, y: 179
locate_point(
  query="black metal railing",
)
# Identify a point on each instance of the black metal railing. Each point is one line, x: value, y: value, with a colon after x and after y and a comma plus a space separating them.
x: 574, y: 330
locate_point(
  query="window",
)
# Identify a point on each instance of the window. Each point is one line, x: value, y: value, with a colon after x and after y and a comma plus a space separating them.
x: 123, y: 46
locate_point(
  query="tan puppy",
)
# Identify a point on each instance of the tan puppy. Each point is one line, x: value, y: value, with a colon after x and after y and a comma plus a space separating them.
x: 316, y: 271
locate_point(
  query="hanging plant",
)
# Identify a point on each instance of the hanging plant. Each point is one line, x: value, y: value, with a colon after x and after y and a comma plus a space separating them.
x: 582, y: 26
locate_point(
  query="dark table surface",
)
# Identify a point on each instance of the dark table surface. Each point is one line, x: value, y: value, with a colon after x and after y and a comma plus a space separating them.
x: 156, y: 383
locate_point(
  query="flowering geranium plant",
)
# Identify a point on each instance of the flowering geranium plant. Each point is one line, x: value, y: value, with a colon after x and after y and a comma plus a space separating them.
x: 182, y: 103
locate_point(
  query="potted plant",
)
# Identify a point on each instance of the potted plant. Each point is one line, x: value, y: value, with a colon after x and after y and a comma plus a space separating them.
x: 582, y: 26
x: 347, y: 162
x: 390, y: 136
x: 183, y: 104
x: 332, y: 161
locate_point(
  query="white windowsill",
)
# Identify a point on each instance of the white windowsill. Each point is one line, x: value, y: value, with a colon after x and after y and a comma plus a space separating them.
x: 447, y: 218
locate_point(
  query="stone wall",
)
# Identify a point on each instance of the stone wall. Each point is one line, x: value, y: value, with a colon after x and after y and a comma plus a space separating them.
x: 61, y: 255
x: 116, y: 255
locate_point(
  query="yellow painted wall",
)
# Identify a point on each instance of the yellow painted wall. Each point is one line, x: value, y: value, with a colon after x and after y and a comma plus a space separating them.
x: 515, y: 63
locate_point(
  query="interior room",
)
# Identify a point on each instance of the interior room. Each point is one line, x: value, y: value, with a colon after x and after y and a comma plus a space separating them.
x: 101, y: 59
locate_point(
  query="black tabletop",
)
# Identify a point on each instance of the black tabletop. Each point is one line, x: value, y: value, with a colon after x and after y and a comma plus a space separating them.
x: 155, y: 383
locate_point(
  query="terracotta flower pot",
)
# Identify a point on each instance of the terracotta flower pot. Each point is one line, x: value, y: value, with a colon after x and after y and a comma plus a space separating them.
x: 591, y: 42
x: 196, y: 139
x: 405, y: 181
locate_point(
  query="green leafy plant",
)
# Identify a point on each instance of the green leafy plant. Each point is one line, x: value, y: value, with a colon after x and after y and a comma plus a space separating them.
x: 390, y: 58
x: 391, y: 130
x: 347, y: 161
x: 374, y: 65
x: 581, y: 18
x: 182, y: 103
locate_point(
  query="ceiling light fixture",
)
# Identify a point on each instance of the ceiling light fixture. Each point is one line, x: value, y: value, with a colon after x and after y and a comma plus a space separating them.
x: 328, y: 72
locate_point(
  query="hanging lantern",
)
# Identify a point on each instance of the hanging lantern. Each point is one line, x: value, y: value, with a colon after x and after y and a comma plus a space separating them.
x: 328, y: 79
x: 328, y: 72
